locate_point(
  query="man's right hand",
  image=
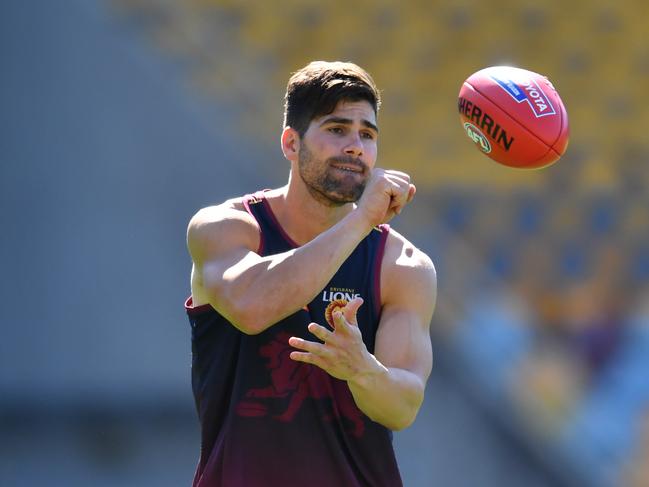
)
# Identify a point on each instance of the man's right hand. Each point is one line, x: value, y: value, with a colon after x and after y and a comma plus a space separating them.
x: 385, y: 195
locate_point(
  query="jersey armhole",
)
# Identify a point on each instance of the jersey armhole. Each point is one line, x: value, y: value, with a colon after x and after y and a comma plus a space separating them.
x: 196, y: 310
x: 378, y: 261
x: 252, y: 199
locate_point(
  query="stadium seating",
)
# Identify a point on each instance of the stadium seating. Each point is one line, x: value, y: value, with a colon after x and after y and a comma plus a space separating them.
x: 420, y: 54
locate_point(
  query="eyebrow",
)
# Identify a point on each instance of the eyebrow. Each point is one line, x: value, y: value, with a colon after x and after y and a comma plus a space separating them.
x: 349, y: 121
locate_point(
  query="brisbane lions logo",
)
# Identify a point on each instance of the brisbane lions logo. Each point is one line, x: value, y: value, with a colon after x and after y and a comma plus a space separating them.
x: 292, y: 383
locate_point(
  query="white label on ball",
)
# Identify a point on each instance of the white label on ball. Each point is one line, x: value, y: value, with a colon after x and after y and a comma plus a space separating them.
x: 528, y: 90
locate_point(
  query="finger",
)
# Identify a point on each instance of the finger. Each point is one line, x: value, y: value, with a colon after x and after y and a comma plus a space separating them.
x: 350, y: 310
x: 307, y: 346
x: 399, y: 184
x: 401, y: 181
x: 340, y: 324
x: 307, y: 358
x: 411, y: 193
x: 398, y: 203
x: 320, y: 332
x: 399, y: 174
x: 396, y: 208
x: 398, y: 188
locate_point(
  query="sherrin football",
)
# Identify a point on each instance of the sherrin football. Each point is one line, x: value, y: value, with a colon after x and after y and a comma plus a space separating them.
x: 514, y: 116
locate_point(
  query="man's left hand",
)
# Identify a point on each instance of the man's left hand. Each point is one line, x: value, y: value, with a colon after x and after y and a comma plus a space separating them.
x: 342, y: 354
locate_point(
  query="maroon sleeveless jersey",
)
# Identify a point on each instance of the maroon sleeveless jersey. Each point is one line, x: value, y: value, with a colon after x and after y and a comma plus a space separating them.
x: 269, y: 421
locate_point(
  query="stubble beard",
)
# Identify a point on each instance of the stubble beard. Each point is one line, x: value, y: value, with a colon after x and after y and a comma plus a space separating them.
x: 323, y: 184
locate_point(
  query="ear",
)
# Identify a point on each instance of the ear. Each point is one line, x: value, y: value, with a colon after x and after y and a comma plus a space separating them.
x: 290, y: 143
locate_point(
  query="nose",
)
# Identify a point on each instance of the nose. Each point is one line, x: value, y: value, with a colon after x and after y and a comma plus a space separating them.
x: 354, y: 146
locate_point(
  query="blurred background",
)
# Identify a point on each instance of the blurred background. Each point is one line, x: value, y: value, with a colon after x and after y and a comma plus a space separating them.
x: 120, y: 118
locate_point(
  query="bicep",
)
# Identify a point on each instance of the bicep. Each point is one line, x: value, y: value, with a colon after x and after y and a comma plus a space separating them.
x: 403, y: 342
x: 226, y: 267
x: 403, y: 337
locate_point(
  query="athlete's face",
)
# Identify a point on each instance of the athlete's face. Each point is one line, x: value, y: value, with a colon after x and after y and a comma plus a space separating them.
x: 338, y: 152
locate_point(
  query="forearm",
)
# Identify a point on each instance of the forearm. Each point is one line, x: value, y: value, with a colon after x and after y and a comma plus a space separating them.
x: 389, y: 396
x: 260, y: 294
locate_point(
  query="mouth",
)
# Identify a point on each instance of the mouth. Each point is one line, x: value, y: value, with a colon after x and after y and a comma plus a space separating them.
x: 346, y: 167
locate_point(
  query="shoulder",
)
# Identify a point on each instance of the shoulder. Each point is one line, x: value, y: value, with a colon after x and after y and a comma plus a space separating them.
x: 219, y: 226
x: 401, y: 253
x: 230, y: 209
x: 406, y: 269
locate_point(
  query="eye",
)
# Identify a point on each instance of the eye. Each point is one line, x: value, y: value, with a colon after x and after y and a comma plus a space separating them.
x: 336, y: 130
x: 368, y: 135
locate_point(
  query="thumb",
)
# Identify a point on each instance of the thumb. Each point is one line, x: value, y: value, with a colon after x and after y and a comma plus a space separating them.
x: 411, y: 193
x: 350, y: 309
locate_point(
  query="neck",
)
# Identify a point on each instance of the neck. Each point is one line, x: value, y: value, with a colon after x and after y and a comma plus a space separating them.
x: 301, y: 215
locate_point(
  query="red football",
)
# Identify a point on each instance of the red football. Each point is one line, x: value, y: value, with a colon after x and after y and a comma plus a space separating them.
x: 514, y: 116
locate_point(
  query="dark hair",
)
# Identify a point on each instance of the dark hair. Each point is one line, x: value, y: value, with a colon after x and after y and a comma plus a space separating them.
x: 316, y: 89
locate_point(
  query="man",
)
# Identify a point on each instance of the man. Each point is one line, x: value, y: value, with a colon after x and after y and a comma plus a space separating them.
x: 310, y: 317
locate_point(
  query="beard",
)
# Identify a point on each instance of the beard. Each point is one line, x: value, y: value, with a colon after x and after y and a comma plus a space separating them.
x: 329, y: 185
